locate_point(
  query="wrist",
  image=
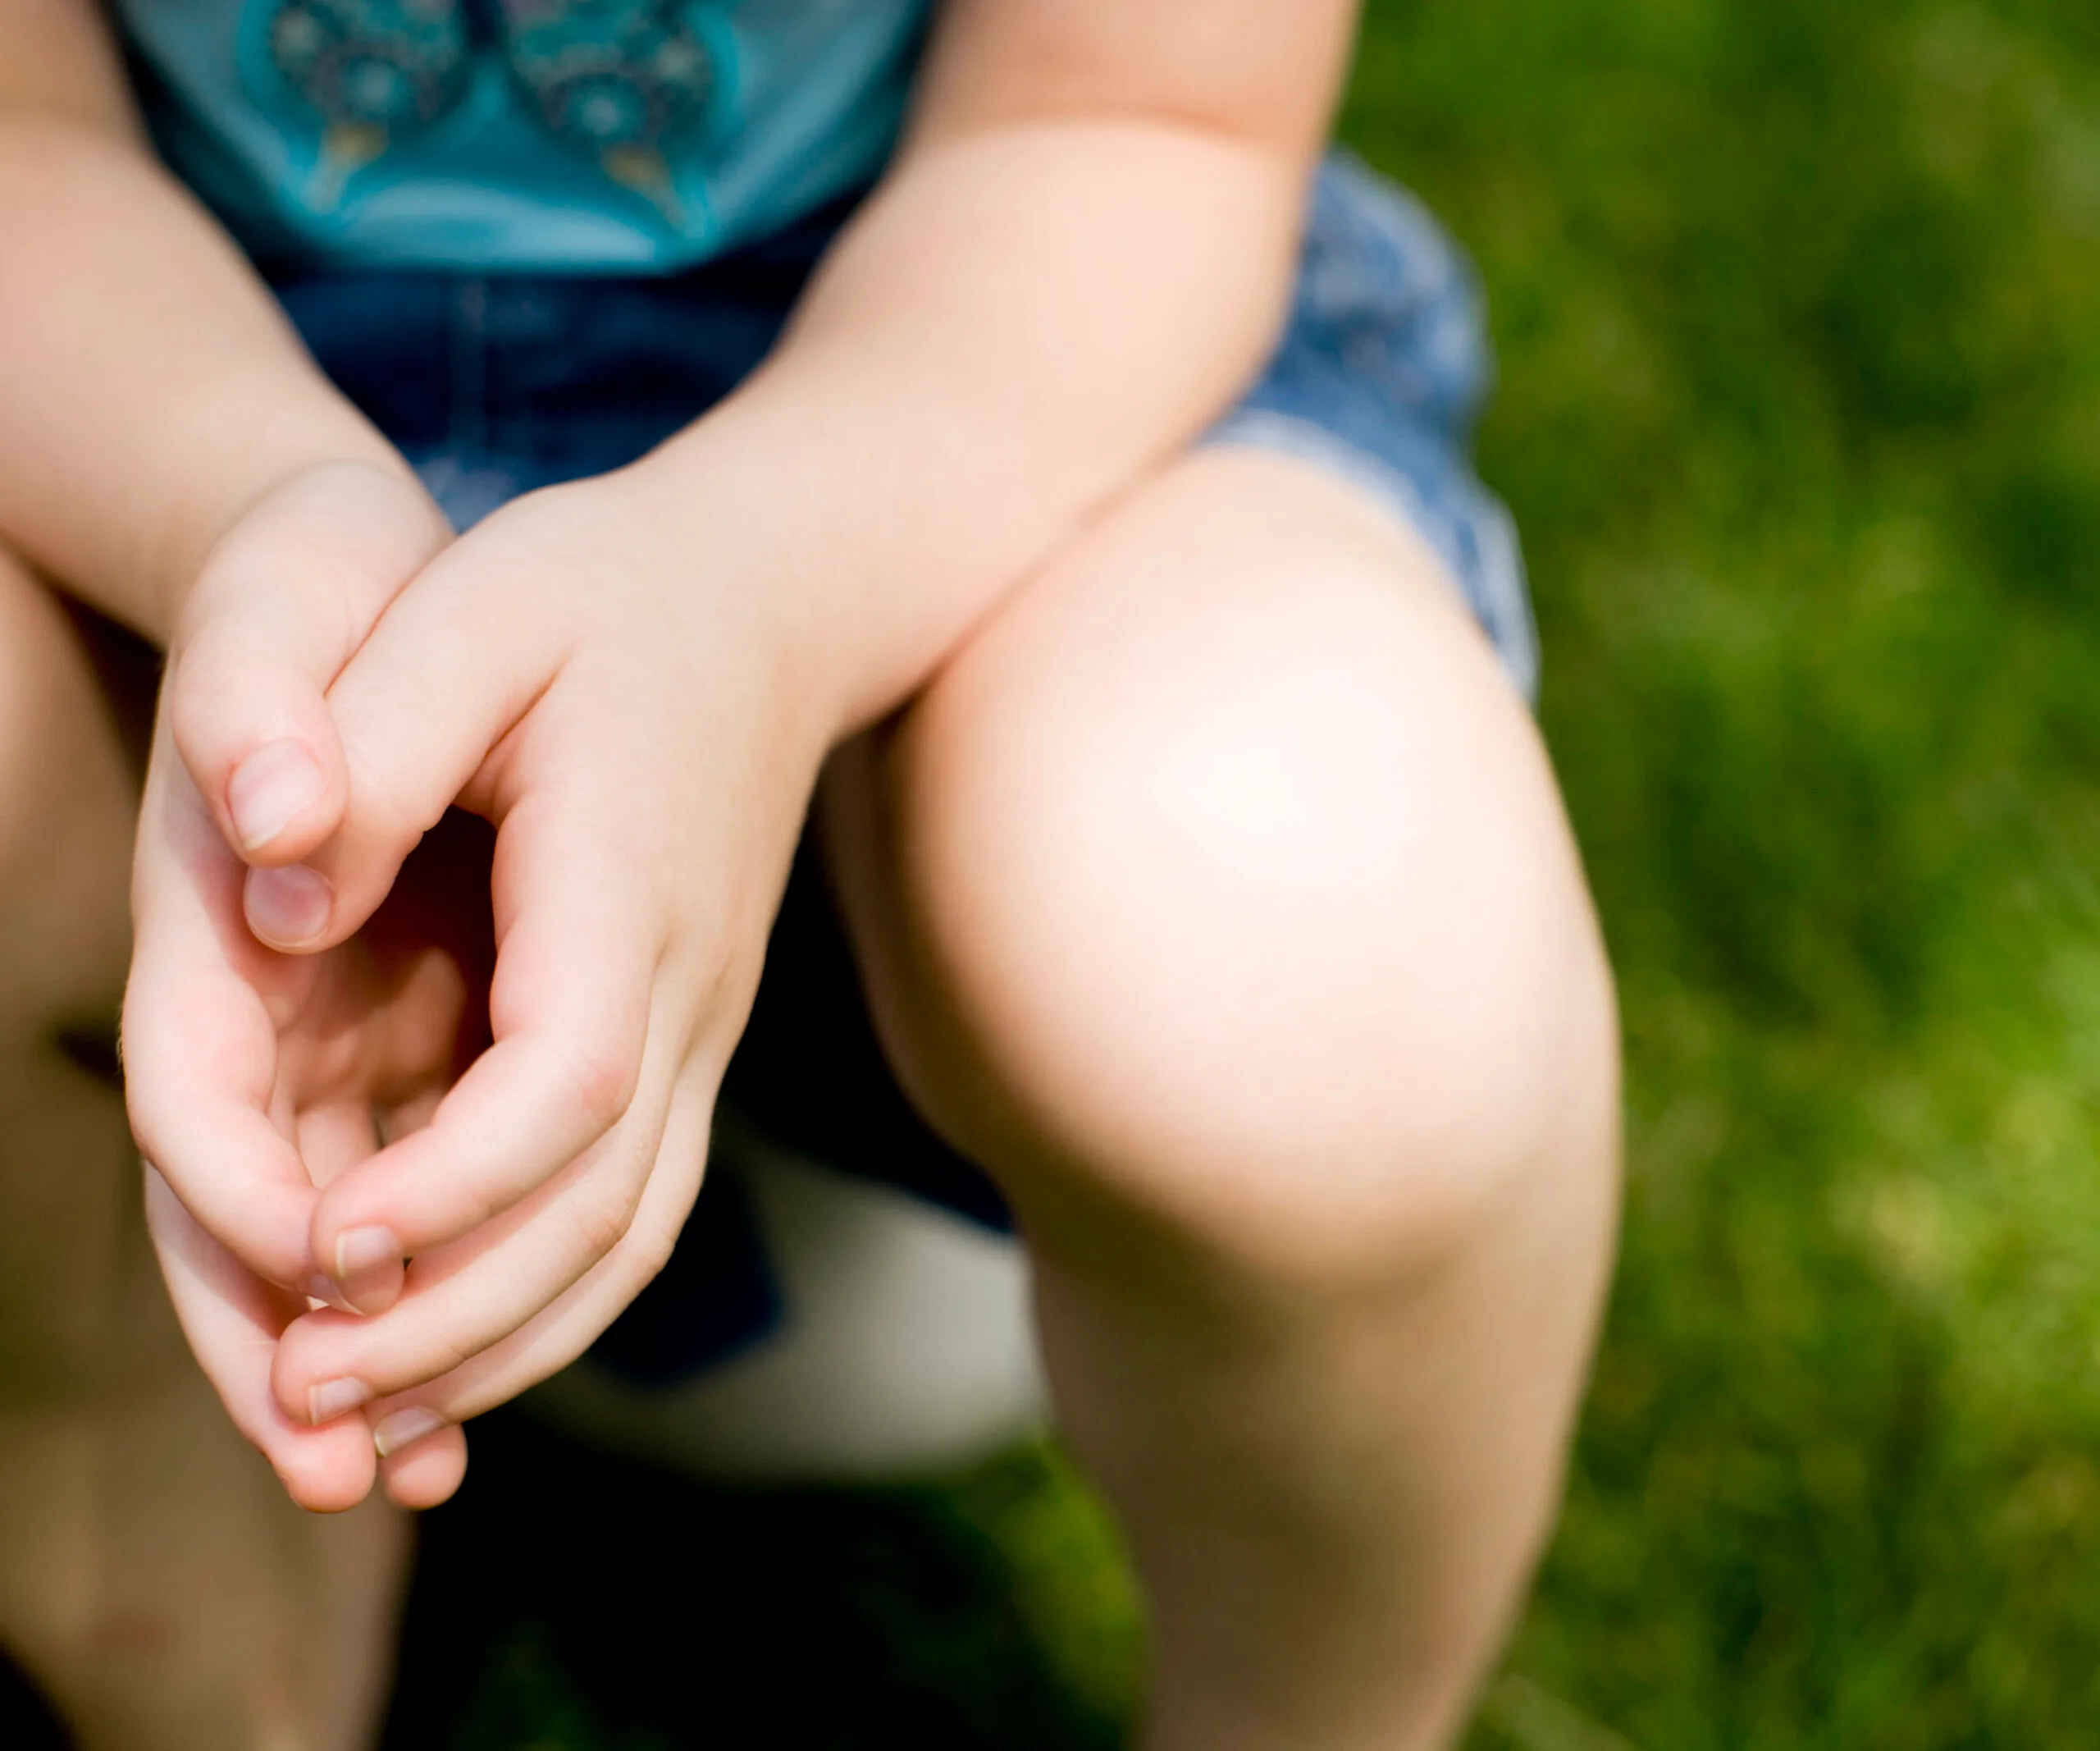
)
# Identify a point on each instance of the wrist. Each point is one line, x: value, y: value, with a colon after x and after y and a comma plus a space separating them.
x: 154, y: 389
x: 749, y: 540
x: 869, y: 550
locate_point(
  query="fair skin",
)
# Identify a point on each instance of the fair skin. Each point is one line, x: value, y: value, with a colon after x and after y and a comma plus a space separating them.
x: 1208, y: 880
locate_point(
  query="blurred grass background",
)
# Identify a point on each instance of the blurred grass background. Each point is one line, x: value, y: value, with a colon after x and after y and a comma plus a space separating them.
x: 1799, y: 307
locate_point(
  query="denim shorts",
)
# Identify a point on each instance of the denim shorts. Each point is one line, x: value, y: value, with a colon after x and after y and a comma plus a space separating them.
x: 493, y: 387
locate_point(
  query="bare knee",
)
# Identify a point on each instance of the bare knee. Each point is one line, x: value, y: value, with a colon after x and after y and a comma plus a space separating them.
x: 1247, y: 909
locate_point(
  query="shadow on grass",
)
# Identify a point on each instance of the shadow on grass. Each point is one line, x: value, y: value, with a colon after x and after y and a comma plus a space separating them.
x: 572, y: 1602
x: 568, y: 1600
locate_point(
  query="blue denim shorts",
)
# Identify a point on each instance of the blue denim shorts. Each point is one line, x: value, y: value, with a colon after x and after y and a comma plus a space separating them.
x: 495, y: 386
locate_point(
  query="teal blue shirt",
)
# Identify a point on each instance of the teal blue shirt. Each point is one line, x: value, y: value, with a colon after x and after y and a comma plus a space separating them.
x: 522, y: 136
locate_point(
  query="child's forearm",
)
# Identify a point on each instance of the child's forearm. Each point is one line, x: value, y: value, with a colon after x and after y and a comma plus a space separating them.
x: 150, y: 388
x: 1019, y: 329
x: 1035, y: 309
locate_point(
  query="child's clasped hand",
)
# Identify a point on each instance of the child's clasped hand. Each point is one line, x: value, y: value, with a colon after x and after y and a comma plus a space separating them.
x: 396, y: 1179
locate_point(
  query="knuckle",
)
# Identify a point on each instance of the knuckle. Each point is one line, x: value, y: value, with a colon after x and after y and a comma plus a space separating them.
x: 648, y: 1252
x: 461, y: 1205
x: 380, y: 815
x: 602, y: 1077
x: 477, y: 1207
x: 600, y: 1225
x: 150, y: 1136
x: 148, y: 1112
x: 445, y: 1355
x: 195, y: 703
x: 415, y: 1358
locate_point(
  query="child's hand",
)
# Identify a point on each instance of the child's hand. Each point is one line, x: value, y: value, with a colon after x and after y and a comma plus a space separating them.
x: 253, y: 1076
x: 628, y: 712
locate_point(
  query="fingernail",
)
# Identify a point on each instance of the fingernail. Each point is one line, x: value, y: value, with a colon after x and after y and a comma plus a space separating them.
x: 361, y: 1250
x: 326, y: 1291
x: 398, y: 1430
x: 332, y: 1398
x: 269, y: 788
x: 288, y: 906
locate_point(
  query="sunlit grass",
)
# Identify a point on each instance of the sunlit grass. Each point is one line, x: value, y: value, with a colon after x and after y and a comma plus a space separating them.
x: 1801, y: 416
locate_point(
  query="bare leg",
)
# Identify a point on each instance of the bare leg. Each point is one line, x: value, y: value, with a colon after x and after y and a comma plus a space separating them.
x: 1218, y: 899
x: 154, y: 1577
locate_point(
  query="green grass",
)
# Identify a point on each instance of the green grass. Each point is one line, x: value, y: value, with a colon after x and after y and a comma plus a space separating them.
x: 1798, y: 303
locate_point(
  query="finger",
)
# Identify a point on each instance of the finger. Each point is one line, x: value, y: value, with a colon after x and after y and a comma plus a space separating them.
x: 233, y: 1323
x: 555, y: 1337
x: 570, y: 1013
x: 424, y: 1473
x: 406, y: 1117
x: 331, y: 1139
x: 333, y: 1136
x: 446, y: 672
x: 200, y: 1043
x: 465, y: 1299
x: 462, y: 1299
x: 279, y: 606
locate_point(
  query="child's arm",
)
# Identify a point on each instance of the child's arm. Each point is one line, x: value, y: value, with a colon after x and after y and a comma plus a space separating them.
x: 150, y: 392
x: 155, y: 408
x: 154, y: 401
x: 1082, y: 252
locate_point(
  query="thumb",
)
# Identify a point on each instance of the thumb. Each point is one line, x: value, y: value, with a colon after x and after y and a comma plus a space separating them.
x: 452, y: 667
x: 283, y: 603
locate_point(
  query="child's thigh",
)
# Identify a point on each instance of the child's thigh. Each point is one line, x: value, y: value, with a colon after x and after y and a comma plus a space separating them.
x: 1226, y: 847
x: 74, y: 696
